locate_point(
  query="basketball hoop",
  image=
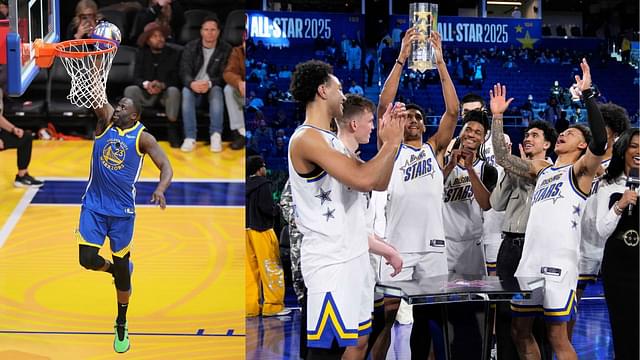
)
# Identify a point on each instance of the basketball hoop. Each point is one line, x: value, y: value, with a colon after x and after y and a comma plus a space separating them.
x: 87, y: 62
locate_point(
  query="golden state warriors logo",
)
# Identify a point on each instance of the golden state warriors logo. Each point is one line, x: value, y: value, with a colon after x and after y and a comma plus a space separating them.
x: 113, y: 154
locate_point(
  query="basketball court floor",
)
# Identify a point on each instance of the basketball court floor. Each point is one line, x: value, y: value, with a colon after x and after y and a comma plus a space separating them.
x: 278, y: 338
x: 188, y: 261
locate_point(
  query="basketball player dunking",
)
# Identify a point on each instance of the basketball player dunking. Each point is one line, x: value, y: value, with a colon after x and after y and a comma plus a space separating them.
x: 327, y: 184
x: 553, y: 233
x: 108, y: 205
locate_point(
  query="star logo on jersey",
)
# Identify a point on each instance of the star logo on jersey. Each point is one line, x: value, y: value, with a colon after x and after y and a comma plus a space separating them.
x: 113, y: 154
x: 324, y: 196
x: 576, y: 210
x: 416, y: 167
x: 574, y: 224
x: 329, y: 214
x: 557, y: 198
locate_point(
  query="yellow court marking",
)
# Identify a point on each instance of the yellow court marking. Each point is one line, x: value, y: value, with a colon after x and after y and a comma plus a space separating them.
x: 188, y: 277
x: 72, y: 159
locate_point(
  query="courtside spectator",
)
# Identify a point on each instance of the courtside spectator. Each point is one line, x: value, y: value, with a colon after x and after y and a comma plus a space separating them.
x: 156, y: 81
x: 203, y: 61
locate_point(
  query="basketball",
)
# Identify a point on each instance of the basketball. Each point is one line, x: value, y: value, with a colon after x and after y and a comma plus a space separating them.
x: 106, y: 31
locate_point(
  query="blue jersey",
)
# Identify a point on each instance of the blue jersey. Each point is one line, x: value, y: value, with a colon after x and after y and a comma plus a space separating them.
x: 116, y: 162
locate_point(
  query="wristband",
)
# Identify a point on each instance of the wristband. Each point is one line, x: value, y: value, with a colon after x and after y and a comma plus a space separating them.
x: 617, y: 209
x: 399, y: 62
x: 588, y: 94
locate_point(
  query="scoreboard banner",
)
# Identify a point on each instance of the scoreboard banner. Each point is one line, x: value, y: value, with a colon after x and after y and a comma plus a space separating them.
x: 285, y: 29
x: 484, y: 32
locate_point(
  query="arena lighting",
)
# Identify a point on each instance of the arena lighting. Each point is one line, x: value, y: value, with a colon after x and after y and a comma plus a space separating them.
x: 504, y: 3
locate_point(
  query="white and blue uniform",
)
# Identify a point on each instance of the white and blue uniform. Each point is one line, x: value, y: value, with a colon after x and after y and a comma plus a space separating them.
x: 551, y: 245
x: 108, y: 204
x: 334, y: 255
x: 414, y: 223
x: 492, y: 224
x: 463, y: 222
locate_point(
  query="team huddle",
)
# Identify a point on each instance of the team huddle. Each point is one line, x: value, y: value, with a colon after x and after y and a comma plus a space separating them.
x: 448, y: 205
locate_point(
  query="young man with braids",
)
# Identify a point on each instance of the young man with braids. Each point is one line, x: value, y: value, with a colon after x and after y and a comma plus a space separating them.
x: 553, y: 233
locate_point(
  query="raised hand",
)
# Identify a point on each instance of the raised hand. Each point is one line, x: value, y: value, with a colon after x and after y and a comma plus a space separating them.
x: 436, y: 42
x: 499, y: 102
x: 585, y: 82
x: 523, y: 156
x: 405, y: 47
x: 393, y: 123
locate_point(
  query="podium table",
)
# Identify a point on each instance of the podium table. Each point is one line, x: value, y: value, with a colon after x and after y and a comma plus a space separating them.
x: 455, y: 288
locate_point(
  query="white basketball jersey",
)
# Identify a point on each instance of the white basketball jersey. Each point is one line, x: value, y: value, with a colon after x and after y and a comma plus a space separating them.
x: 489, y: 155
x: 414, y: 201
x: 330, y: 215
x: 591, y: 246
x: 379, y: 203
x: 462, y: 213
x: 492, y: 219
x: 552, y: 237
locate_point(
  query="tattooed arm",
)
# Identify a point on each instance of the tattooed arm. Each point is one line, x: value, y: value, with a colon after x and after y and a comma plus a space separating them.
x: 512, y: 164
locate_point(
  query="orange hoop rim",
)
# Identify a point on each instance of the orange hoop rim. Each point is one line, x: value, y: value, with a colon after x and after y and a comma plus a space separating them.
x: 61, y: 46
x: 46, y: 52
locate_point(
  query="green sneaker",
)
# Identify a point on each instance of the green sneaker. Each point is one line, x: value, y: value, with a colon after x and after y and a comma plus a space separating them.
x: 121, y: 345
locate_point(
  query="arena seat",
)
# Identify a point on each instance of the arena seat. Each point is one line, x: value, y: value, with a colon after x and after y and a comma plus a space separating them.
x: 234, y: 27
x: 122, y: 72
x: 30, y: 109
x: 61, y: 112
x: 191, y: 28
x: 121, y: 20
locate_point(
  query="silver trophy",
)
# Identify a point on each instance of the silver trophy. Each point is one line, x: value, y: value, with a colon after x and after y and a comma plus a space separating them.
x: 423, y: 17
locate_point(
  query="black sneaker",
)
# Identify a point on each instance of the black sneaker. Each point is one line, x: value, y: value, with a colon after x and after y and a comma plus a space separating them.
x: 27, y: 181
x: 238, y: 142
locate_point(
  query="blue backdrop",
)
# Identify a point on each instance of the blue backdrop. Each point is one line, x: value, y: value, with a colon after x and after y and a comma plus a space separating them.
x: 483, y: 32
x: 286, y: 29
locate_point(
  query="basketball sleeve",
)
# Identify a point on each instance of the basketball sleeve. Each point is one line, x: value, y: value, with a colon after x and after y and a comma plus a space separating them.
x: 489, y: 176
x: 598, y: 144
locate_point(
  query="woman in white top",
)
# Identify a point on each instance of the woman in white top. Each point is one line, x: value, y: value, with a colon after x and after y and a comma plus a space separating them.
x: 617, y: 221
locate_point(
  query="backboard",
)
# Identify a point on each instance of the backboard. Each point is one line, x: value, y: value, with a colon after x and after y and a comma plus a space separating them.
x: 28, y: 20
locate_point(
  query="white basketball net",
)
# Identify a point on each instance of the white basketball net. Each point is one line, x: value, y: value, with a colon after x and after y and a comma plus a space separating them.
x: 88, y: 74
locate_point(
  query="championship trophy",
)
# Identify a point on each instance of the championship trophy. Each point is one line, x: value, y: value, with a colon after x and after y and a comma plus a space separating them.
x: 424, y: 18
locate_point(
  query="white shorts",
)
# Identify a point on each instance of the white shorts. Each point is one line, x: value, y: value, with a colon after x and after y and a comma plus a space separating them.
x: 556, y: 300
x: 492, y: 244
x: 466, y: 257
x: 339, y: 303
x: 416, y: 266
